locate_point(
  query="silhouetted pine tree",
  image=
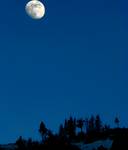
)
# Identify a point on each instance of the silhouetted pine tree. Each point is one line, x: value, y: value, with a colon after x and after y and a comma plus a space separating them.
x: 21, y: 143
x: 61, y: 130
x: 43, y: 131
x: 91, y: 124
x: 69, y: 128
x: 98, y: 124
x: 117, y: 122
x: 87, y: 125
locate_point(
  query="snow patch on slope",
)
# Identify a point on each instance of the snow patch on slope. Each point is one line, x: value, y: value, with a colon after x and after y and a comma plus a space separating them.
x: 105, y: 143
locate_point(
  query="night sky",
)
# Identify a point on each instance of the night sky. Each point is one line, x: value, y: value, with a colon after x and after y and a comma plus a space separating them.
x: 74, y: 61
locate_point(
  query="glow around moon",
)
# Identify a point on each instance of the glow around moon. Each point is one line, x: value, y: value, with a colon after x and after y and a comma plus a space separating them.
x: 35, y: 9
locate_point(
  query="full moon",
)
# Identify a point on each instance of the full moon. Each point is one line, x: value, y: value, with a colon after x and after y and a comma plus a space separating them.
x: 35, y: 9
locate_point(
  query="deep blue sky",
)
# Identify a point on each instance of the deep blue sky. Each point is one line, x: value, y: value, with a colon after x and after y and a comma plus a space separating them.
x: 72, y: 62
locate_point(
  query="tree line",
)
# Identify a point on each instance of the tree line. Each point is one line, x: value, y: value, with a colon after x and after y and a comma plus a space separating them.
x: 72, y: 130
